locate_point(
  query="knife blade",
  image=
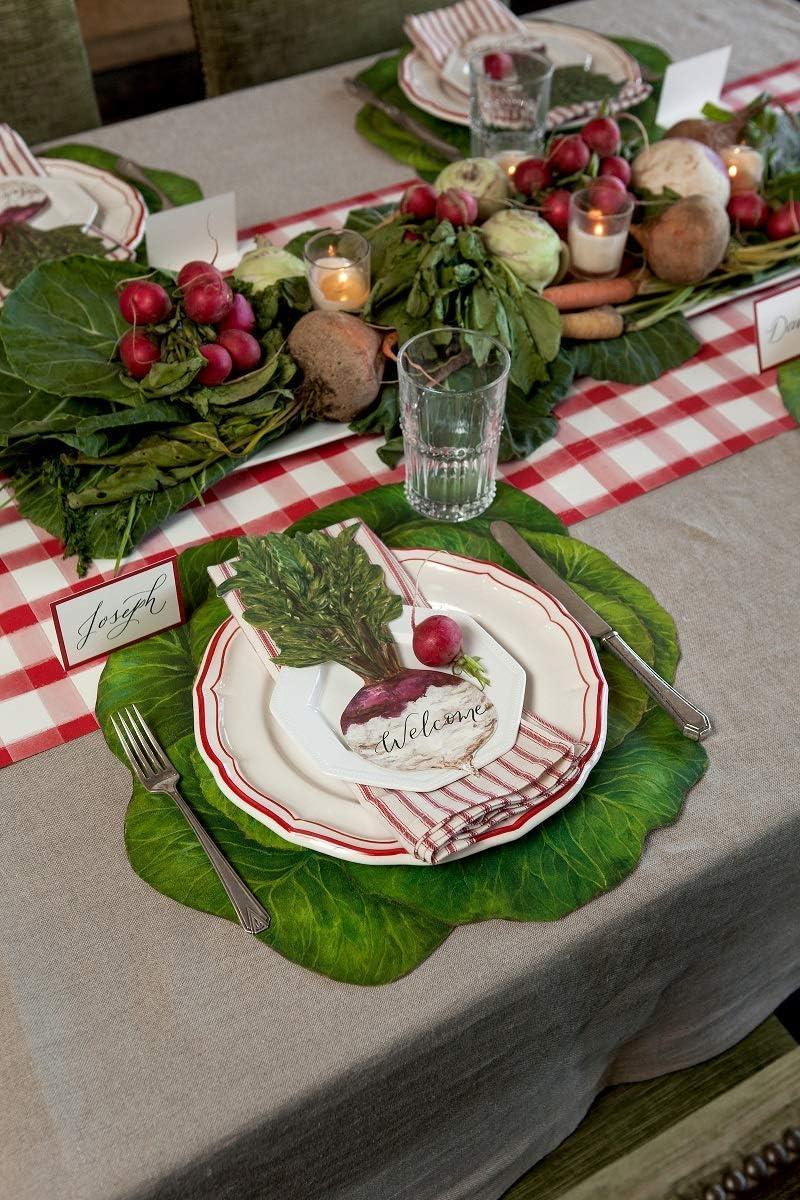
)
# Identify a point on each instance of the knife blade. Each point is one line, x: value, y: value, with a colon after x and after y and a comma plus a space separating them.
x: 402, y: 119
x: 692, y: 722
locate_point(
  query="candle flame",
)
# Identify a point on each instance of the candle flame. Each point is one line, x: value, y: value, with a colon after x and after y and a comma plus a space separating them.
x: 599, y: 229
x: 331, y: 250
x: 732, y: 170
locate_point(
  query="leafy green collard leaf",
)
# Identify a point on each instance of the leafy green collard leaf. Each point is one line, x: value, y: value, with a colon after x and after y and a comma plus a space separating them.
x: 177, y: 188
x: 638, y: 357
x: 528, y: 420
x: 651, y: 57
x: 789, y: 387
x: 364, y: 220
x: 321, y: 599
x: 368, y: 925
x: 23, y: 248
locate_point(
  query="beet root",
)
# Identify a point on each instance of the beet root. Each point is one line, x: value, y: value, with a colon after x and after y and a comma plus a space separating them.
x: 342, y: 363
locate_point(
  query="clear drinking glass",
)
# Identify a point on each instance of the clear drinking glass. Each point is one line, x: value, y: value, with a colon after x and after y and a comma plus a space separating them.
x: 452, y: 397
x: 508, y: 112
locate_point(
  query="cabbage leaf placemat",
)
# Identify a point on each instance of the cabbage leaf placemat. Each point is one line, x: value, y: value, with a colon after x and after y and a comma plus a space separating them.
x: 369, y: 925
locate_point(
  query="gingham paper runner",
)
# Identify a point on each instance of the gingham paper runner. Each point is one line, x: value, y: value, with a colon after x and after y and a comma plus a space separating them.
x: 613, y: 443
x: 434, y: 825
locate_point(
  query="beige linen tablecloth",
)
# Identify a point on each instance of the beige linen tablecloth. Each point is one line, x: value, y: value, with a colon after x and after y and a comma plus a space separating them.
x: 150, y: 1051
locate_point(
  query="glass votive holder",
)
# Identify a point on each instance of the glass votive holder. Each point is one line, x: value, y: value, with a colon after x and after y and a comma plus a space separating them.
x: 509, y: 100
x: 338, y: 270
x: 745, y: 168
x: 596, y: 238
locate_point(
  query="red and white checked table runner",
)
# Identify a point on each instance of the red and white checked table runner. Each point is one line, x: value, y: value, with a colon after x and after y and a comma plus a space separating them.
x: 613, y: 443
x: 434, y: 825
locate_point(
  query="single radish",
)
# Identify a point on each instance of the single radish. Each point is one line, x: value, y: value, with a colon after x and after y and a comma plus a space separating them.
x: 219, y: 364
x: 784, y: 221
x: 241, y: 315
x: 138, y: 351
x: 748, y: 210
x: 197, y: 271
x: 498, y: 64
x: 607, y: 197
x: 209, y: 302
x: 243, y: 348
x: 570, y: 156
x: 602, y: 135
x: 615, y: 167
x: 144, y: 303
x: 555, y: 210
x: 411, y: 235
x: 532, y: 175
x: 457, y: 206
x: 437, y: 641
x: 419, y: 201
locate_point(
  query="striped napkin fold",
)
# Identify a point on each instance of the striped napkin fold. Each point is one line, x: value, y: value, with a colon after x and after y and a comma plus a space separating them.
x: 437, y: 824
x: 440, y: 33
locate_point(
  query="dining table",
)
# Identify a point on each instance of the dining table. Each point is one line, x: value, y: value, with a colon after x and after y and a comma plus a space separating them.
x: 152, y: 1051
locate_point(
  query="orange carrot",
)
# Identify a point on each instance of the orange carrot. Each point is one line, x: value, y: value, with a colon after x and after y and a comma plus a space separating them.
x: 591, y: 293
x: 389, y: 345
x: 592, y: 324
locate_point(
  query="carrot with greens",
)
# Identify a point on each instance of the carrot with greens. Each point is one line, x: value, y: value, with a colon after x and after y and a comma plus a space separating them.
x: 591, y: 293
x: 593, y: 324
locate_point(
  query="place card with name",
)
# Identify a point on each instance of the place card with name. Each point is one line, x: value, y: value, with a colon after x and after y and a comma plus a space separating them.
x: 778, y: 327
x: 691, y: 83
x: 126, y: 609
x: 205, y: 230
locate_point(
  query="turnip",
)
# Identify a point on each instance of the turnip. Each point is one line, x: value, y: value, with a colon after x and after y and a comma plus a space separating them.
x: 601, y: 135
x: 483, y: 178
x: 569, y: 155
x: 241, y: 315
x: 197, y: 271
x: 615, y: 167
x: 144, y: 302
x: 243, y: 348
x: 748, y: 210
x: 419, y: 201
x: 683, y: 166
x: 687, y: 241
x: 555, y: 210
x: 784, y: 222
x: 219, y: 364
x: 208, y: 302
x: 138, y: 351
x: 532, y: 175
x: 457, y: 206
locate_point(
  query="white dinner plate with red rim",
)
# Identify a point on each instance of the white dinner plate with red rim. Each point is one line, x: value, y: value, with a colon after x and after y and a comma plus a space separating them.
x: 564, y: 45
x: 121, y: 211
x: 263, y: 772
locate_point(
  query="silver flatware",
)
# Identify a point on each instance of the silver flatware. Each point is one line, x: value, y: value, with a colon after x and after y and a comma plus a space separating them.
x: 692, y: 722
x: 402, y: 119
x: 132, y: 170
x: 156, y: 773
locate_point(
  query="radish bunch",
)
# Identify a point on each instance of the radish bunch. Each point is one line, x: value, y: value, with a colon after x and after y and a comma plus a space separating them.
x: 218, y: 323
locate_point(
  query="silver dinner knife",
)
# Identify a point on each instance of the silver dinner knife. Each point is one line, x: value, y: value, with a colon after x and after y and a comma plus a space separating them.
x: 690, y: 720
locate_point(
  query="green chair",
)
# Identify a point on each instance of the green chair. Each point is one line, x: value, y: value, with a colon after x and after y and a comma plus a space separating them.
x: 244, y: 42
x: 46, y: 86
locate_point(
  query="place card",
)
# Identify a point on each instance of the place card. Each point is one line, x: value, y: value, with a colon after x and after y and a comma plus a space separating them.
x: 690, y: 84
x: 124, y: 610
x: 778, y: 327
x: 204, y: 230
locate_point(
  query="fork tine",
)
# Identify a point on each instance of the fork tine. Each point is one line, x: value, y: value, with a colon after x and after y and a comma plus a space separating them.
x: 127, y: 721
x: 155, y: 745
x: 127, y: 746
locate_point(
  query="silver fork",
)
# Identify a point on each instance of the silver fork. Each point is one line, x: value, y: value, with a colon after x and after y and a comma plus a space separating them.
x: 156, y: 773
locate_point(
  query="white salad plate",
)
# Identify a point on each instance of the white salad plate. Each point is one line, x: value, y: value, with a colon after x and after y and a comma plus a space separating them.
x: 269, y: 776
x: 564, y: 45
x: 308, y: 702
x: 67, y: 202
x: 120, y: 212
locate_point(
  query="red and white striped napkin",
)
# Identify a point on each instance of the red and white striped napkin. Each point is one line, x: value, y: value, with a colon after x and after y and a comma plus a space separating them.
x: 435, y: 825
x: 438, y: 34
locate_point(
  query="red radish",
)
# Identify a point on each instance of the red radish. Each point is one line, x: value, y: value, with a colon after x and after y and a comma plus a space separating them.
x: 532, y: 175
x: 437, y: 641
x: 498, y: 64
x: 570, y: 156
x: 144, y: 303
x: 748, y: 210
x: 207, y: 303
x: 138, y: 352
x: 243, y: 348
x: 419, y: 201
x: 219, y: 364
x: 411, y: 235
x: 601, y: 135
x: 606, y: 196
x: 555, y: 210
x: 457, y: 206
x: 784, y: 221
x: 197, y: 271
x: 241, y: 315
x: 615, y: 167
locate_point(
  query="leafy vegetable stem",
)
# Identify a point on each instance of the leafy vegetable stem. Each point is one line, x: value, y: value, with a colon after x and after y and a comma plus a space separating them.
x: 126, y: 533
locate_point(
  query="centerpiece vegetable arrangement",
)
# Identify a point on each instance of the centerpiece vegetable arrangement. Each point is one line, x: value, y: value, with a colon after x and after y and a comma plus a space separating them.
x: 126, y: 393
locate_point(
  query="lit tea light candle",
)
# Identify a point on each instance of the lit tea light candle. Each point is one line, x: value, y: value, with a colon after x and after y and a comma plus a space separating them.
x: 596, y: 239
x: 337, y: 269
x: 745, y: 168
x: 510, y: 160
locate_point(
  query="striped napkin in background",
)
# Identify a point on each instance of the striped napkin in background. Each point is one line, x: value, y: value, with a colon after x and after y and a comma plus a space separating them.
x: 434, y: 825
x: 440, y: 33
